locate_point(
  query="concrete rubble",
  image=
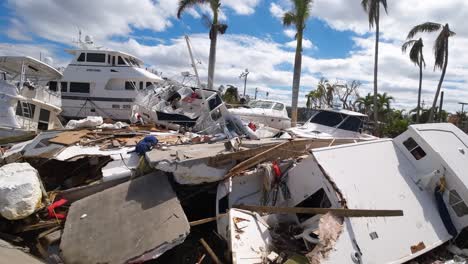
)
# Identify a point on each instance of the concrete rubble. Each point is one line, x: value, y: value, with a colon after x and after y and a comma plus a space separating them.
x: 20, y: 190
x: 109, y: 192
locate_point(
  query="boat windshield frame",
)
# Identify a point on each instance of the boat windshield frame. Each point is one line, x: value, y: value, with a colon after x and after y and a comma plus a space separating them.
x: 337, y: 120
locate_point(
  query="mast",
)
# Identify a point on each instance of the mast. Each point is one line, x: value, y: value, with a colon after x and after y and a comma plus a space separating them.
x: 194, y: 66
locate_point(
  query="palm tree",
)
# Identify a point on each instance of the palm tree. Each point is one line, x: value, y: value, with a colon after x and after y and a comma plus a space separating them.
x: 312, y: 98
x: 383, y: 105
x: 416, y: 56
x: 440, y: 52
x: 372, y: 7
x: 297, y: 17
x: 215, y: 28
x: 365, y: 104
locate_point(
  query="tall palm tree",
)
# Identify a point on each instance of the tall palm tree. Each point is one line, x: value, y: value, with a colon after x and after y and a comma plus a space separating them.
x: 417, y: 57
x: 312, y: 98
x: 215, y: 28
x: 372, y: 8
x: 297, y: 17
x: 440, y: 52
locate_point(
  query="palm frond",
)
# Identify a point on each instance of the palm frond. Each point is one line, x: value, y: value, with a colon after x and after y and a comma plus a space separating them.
x: 384, y: 4
x: 440, y: 46
x: 222, y: 28
x: 289, y: 19
x: 184, y: 4
x: 407, y: 44
x: 425, y: 27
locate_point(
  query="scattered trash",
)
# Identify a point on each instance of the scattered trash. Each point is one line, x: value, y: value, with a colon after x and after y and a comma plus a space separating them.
x: 88, y: 122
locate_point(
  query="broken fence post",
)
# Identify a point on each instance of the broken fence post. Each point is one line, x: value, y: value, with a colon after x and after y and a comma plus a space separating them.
x: 336, y: 211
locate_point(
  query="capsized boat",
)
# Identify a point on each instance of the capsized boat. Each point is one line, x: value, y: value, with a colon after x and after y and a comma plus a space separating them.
x: 200, y: 110
x: 29, y: 101
x: 269, y: 113
x: 333, y: 123
x: 421, y: 172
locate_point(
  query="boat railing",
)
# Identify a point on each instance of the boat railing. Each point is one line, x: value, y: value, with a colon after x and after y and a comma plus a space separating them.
x: 43, y: 94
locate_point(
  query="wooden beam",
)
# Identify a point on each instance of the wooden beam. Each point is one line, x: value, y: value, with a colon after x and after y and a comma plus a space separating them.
x: 337, y: 211
x: 206, y: 220
x: 210, y: 251
x: 288, y: 149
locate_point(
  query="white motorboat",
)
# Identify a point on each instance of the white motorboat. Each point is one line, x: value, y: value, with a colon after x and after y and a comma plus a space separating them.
x: 266, y: 112
x: 29, y: 99
x: 333, y: 123
x: 101, y: 82
x: 421, y: 172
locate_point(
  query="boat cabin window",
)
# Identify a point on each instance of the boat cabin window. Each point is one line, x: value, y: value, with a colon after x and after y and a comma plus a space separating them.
x: 130, y: 85
x: 25, y: 109
x: 327, y: 118
x: 120, y: 61
x: 64, y: 87
x: 457, y: 203
x: 214, y: 102
x: 108, y: 59
x: 79, y: 87
x: 53, y: 86
x: 278, y: 107
x: 81, y: 57
x: 43, y: 123
x: 319, y: 199
x: 262, y: 104
x: 148, y: 84
x: 352, y: 123
x: 4, y: 76
x: 96, y: 57
x: 413, y: 147
x: 113, y: 60
x: 141, y: 86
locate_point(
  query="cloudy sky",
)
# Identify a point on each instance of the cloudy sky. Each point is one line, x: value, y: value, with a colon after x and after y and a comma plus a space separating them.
x: 338, y: 44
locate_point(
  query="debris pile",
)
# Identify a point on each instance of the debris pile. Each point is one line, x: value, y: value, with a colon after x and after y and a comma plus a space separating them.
x: 106, y: 192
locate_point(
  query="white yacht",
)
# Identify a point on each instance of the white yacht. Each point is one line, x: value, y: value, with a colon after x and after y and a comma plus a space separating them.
x: 101, y: 82
x: 333, y: 123
x: 269, y: 113
x: 29, y: 99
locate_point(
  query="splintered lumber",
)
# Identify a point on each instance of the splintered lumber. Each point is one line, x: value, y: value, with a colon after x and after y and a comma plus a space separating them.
x: 69, y: 137
x: 210, y: 251
x: 281, y: 151
x: 206, y: 220
x: 336, y: 211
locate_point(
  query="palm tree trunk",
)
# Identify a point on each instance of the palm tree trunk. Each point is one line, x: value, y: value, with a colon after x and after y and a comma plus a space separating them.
x: 376, y: 65
x: 296, y: 77
x: 418, y: 107
x: 439, y: 86
x: 212, y: 58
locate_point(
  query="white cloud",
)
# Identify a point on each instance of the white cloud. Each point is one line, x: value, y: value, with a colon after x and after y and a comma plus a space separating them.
x: 277, y: 11
x: 241, y: 7
x: 290, y: 33
x: 306, y: 44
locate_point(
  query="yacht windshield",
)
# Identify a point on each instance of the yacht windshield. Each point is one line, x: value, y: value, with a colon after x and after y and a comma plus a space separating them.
x: 262, y: 104
x: 332, y: 119
x: 352, y: 123
x: 327, y: 118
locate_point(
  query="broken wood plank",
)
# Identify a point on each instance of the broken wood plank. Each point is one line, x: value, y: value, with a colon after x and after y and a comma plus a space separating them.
x: 41, y: 225
x: 337, y: 211
x: 210, y: 251
x: 96, y: 140
x: 69, y: 137
x: 281, y: 151
x: 206, y: 220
